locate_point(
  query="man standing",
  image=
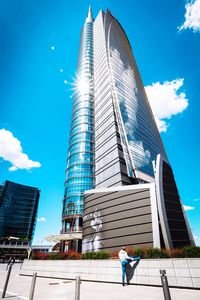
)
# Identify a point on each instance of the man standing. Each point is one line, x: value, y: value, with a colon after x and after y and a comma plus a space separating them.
x: 125, y: 260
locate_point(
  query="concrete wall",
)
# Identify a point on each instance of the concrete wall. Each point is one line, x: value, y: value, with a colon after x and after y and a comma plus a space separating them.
x: 180, y: 272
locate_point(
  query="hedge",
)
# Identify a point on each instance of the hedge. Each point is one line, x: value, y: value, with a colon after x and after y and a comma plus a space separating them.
x: 147, y: 253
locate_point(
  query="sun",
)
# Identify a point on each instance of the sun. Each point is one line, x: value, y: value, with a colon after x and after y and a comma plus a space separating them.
x: 82, y: 85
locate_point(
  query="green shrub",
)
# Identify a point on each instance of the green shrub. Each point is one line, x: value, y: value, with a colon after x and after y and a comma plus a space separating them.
x: 155, y: 253
x: 191, y: 251
x: 103, y: 255
x: 187, y: 251
x: 139, y: 252
x: 96, y: 255
x: 87, y: 255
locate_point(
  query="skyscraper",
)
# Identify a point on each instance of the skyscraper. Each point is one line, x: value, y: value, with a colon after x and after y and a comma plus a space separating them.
x: 18, y: 210
x: 80, y: 163
x: 114, y: 142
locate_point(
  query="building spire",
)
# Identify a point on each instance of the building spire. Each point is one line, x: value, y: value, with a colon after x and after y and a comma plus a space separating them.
x: 89, y: 18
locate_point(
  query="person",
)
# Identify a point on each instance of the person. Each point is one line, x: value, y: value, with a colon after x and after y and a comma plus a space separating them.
x: 13, y: 260
x: 125, y: 260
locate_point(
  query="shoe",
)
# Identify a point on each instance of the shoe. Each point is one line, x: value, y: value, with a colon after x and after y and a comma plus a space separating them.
x: 137, y: 258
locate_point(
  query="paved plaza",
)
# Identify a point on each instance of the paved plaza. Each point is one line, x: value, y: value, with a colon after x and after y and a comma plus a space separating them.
x: 54, y: 289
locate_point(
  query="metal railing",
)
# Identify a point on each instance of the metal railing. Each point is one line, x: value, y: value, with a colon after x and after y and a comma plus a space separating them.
x: 6, y: 244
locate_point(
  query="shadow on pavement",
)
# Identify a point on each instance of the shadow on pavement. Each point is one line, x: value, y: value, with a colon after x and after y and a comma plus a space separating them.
x: 130, y: 271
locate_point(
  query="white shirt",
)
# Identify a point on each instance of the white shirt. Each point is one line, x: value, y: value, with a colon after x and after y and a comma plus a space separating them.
x: 123, y: 255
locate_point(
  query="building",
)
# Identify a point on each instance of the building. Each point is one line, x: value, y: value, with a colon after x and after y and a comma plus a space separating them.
x: 116, y: 152
x: 1, y: 189
x: 18, y: 211
x: 80, y: 163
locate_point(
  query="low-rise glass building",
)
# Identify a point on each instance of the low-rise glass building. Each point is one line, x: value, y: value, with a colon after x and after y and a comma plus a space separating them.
x: 18, y: 211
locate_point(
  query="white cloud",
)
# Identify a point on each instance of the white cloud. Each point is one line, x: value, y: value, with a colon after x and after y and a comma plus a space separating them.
x: 197, y: 240
x: 162, y: 125
x: 165, y: 101
x: 52, y: 47
x: 196, y: 200
x: 187, y: 207
x: 192, y: 16
x: 41, y: 219
x: 11, y: 150
x: 65, y: 81
x: 61, y: 70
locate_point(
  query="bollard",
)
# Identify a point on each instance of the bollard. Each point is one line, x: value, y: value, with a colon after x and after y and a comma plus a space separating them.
x: 33, y: 286
x: 165, y: 286
x: 77, y: 288
x: 21, y: 264
x: 6, y: 282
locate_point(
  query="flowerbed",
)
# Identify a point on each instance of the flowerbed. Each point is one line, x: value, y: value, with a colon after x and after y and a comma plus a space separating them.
x: 185, y: 252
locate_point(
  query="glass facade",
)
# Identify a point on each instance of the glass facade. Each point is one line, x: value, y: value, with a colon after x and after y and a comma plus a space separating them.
x: 79, y: 172
x: 127, y: 140
x: 139, y: 133
x: 18, y: 210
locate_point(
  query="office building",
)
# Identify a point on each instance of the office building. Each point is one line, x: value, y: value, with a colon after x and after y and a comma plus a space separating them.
x: 18, y: 211
x: 116, y: 154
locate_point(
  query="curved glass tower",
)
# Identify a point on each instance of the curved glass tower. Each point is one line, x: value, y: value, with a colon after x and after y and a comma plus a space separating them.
x: 79, y: 172
x: 114, y: 142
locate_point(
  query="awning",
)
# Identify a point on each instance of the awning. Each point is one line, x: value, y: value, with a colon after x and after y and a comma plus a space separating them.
x: 64, y: 237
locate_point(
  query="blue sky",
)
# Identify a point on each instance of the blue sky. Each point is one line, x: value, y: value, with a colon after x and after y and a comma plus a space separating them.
x: 38, y: 58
